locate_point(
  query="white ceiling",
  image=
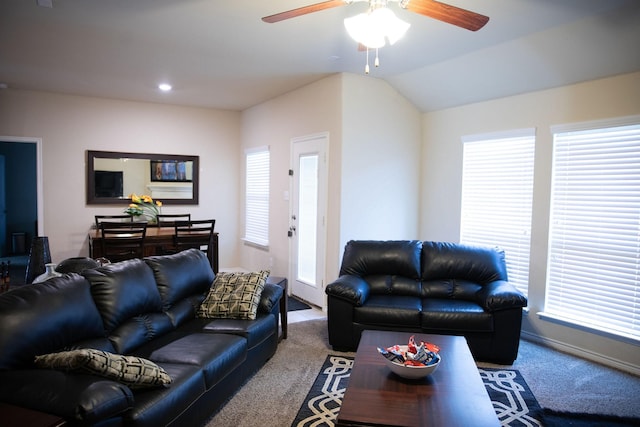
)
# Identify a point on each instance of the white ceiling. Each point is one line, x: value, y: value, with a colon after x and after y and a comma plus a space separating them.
x: 220, y: 54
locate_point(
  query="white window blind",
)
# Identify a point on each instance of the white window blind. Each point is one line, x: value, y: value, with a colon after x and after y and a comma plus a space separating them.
x: 497, y: 190
x: 594, y: 242
x: 257, y: 197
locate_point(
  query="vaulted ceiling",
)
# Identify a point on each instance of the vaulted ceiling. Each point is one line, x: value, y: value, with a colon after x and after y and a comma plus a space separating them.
x: 220, y: 54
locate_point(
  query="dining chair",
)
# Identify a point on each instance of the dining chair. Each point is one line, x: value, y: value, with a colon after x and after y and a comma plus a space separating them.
x: 122, y: 240
x: 196, y: 234
x: 168, y: 220
x: 113, y: 218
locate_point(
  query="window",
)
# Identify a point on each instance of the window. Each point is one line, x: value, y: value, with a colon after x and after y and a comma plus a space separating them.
x: 594, y: 240
x: 497, y: 189
x: 257, y: 197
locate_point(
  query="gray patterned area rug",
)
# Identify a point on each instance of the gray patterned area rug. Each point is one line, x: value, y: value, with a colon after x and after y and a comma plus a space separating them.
x: 512, y: 400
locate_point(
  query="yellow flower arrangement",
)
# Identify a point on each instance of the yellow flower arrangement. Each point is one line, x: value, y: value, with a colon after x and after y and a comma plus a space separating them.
x: 144, y: 205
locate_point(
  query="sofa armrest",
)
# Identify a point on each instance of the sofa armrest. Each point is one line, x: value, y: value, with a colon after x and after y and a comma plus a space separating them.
x: 85, y: 398
x: 270, y: 297
x: 500, y: 295
x: 352, y: 289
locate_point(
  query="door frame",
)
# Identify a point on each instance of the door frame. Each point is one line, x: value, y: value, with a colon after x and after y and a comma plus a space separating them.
x: 39, y: 178
x: 324, y: 188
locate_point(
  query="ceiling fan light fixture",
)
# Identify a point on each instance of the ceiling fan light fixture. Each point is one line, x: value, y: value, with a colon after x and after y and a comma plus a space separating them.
x: 360, y: 29
x: 373, y: 27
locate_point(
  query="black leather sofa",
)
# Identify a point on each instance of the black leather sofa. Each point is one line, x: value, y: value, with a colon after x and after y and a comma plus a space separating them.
x: 144, y: 308
x: 428, y: 287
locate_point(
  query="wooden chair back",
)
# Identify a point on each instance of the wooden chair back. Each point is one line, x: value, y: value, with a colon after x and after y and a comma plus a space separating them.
x: 113, y: 218
x: 122, y: 240
x: 195, y: 234
x: 168, y: 220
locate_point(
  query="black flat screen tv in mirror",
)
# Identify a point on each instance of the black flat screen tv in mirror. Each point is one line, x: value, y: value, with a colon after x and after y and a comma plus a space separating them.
x: 108, y: 184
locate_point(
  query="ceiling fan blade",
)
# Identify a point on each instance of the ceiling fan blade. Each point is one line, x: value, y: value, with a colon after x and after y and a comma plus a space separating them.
x: 450, y: 14
x: 303, y: 11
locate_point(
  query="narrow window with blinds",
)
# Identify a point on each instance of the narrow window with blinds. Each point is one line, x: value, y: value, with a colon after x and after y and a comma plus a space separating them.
x: 594, y: 236
x: 257, y: 197
x: 497, y: 191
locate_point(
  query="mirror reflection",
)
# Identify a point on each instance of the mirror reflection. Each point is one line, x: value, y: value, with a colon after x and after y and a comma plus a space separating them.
x: 113, y: 176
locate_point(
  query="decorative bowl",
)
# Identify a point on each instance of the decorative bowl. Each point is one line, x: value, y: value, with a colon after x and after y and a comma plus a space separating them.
x: 412, y: 372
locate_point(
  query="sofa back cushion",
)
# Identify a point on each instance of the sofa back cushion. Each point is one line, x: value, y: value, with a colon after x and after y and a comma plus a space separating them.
x: 129, y: 303
x: 183, y: 280
x: 476, y: 264
x: 393, y: 285
x: 368, y: 258
x: 47, y: 317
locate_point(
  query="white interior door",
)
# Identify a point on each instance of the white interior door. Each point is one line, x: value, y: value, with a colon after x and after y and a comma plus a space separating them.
x: 307, y: 222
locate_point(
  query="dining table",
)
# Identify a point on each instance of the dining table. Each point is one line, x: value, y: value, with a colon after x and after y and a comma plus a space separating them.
x: 155, y: 240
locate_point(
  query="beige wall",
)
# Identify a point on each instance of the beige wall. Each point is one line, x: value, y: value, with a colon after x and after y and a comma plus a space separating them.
x: 70, y: 125
x: 374, y: 150
x: 380, y: 162
x: 441, y: 192
x: 309, y: 110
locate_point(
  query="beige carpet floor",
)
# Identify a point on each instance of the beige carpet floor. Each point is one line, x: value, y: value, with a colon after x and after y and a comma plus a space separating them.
x: 272, y: 397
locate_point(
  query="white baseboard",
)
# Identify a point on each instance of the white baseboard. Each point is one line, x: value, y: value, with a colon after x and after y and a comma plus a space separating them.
x: 582, y: 353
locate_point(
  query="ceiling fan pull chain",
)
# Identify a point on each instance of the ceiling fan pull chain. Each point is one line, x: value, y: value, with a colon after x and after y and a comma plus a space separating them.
x: 366, y: 68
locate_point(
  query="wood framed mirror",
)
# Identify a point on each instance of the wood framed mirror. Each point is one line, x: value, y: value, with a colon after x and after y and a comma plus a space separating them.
x: 113, y: 176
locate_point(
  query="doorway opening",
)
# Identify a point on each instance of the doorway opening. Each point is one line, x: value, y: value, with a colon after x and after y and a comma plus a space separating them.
x: 20, y: 203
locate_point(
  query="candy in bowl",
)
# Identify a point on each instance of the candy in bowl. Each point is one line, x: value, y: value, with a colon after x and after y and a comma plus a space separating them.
x: 412, y: 361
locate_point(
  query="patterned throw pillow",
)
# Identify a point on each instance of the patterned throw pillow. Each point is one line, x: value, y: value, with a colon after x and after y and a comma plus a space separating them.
x: 135, y: 372
x: 234, y: 295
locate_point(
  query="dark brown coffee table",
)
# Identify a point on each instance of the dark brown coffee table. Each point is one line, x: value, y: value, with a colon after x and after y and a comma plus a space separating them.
x: 453, y: 395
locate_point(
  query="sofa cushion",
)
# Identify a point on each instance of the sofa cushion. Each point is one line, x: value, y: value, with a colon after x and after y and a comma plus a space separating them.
x: 255, y: 331
x: 216, y: 354
x: 442, y: 260
x: 366, y: 257
x: 389, y: 310
x: 162, y: 406
x: 181, y: 275
x: 454, y: 316
x: 46, y: 317
x: 451, y: 288
x: 393, y: 285
x: 234, y: 295
x: 123, y: 290
x: 129, y: 303
x: 132, y: 371
x: 139, y: 330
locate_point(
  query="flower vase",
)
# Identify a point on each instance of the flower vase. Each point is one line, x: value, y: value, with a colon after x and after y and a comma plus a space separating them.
x: 50, y: 271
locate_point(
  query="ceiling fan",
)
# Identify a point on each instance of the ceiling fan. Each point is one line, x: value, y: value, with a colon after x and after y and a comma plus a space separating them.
x: 434, y: 9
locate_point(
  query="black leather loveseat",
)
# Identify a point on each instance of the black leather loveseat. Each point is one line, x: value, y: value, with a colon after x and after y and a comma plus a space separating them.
x: 429, y: 287
x: 144, y: 308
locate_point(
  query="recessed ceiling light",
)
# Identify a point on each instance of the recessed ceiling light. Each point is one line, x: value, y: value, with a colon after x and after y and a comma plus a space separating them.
x: 165, y: 87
